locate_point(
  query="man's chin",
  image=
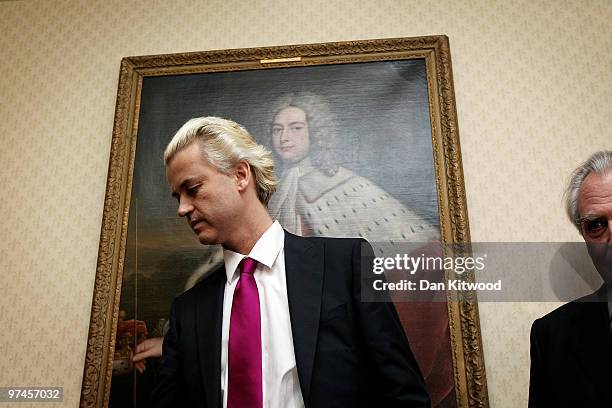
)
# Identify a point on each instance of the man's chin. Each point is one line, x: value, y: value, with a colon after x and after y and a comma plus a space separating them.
x: 207, y: 240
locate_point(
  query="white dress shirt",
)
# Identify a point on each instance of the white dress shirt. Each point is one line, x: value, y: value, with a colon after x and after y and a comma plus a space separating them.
x: 281, y: 386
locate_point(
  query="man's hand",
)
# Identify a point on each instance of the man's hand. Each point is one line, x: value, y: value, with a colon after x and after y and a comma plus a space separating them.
x: 149, y: 348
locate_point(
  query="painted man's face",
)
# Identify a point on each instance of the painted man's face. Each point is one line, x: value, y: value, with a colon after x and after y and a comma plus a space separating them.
x: 290, y: 135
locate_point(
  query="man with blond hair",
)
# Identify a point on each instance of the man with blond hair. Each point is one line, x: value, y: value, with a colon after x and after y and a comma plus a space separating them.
x: 281, y: 324
x: 571, y: 347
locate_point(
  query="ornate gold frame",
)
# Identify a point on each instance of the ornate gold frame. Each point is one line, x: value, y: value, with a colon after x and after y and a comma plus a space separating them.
x: 470, y: 379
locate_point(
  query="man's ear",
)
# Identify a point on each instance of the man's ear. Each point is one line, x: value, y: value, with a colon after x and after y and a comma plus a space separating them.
x: 243, y: 175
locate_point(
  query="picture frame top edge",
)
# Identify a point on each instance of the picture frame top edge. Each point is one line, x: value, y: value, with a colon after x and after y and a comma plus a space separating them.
x: 251, y: 54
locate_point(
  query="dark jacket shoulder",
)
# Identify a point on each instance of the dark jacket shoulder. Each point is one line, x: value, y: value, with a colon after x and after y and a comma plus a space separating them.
x: 571, y: 311
x: 211, y: 280
x: 336, y: 242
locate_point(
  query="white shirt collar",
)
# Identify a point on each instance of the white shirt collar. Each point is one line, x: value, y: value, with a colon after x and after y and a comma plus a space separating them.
x: 265, y: 251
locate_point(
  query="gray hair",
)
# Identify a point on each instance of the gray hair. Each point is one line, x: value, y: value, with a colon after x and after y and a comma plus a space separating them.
x: 321, y: 126
x: 224, y: 144
x: 599, y: 163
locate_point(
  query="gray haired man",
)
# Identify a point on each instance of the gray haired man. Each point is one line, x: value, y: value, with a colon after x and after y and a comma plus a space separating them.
x: 571, y: 347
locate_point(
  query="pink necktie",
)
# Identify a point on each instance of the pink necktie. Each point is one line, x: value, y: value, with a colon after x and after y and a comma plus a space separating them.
x: 244, y: 351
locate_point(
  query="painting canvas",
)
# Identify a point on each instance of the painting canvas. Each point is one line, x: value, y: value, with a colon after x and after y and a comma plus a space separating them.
x: 371, y: 164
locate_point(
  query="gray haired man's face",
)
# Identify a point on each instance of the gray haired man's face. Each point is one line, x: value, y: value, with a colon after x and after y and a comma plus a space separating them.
x: 595, y: 209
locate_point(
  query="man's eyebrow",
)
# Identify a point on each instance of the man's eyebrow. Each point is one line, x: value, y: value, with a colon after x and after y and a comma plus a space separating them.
x: 182, y: 186
x: 290, y: 123
x: 590, y: 217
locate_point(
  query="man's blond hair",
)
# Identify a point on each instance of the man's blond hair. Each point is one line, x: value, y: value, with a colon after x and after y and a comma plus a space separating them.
x: 224, y: 144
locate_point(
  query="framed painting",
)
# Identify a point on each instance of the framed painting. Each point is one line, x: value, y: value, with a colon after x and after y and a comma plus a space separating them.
x: 382, y: 121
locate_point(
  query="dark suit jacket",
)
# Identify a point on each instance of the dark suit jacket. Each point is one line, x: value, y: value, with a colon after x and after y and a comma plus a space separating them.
x: 348, y: 353
x: 571, y: 356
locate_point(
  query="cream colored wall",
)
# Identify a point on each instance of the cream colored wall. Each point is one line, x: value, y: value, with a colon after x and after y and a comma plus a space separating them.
x: 534, y: 97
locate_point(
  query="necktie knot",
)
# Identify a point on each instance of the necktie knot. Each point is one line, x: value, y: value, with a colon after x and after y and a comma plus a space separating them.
x: 248, y: 265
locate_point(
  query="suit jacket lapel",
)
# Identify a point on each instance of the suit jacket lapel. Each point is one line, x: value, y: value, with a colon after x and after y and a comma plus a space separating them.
x: 591, y: 342
x: 209, y: 318
x: 304, y: 271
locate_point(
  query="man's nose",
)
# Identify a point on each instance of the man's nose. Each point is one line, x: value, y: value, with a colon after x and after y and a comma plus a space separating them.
x: 184, y: 208
x: 284, y: 135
